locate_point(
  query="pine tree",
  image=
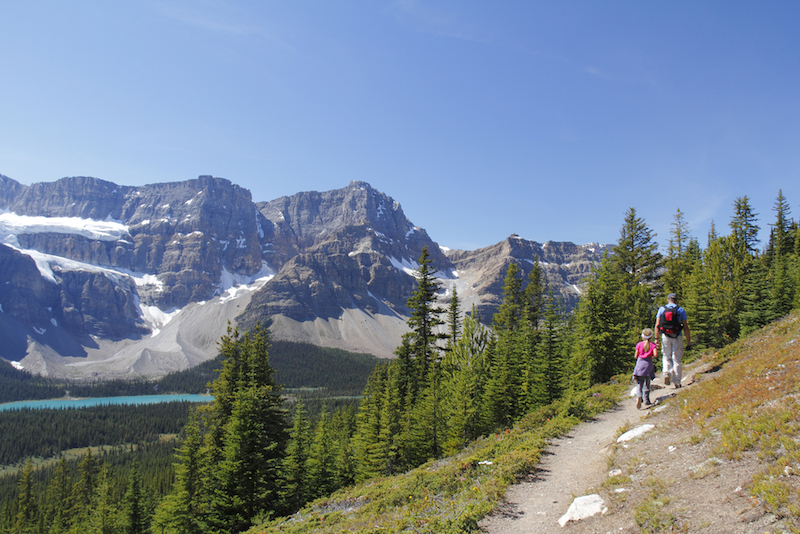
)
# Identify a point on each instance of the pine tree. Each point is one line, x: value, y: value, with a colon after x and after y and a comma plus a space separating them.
x: 296, y: 488
x: 83, y: 491
x: 26, y: 503
x: 550, y: 356
x: 181, y: 510
x: 343, y: 431
x: 510, y: 354
x: 244, y: 439
x: 511, y: 309
x: 756, y: 310
x: 424, y: 319
x: 601, y: 348
x: 58, y: 499
x: 133, y: 510
x: 635, y: 257
x: 464, y: 375
x: 104, y: 517
x: 781, y: 238
x: 367, y: 445
x: 679, y: 261
x: 715, y: 292
x: 744, y: 227
x: 321, y: 459
x: 453, y: 319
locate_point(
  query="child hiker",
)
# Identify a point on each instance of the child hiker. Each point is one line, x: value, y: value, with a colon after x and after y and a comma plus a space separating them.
x: 644, y: 371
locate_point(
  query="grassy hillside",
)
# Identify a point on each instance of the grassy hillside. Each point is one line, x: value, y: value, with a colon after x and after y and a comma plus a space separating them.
x: 725, y: 453
x: 735, y: 429
x: 451, y: 494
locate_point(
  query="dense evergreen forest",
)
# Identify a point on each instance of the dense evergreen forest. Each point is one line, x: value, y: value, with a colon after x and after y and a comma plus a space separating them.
x: 45, y: 433
x: 242, y: 458
x: 297, y: 365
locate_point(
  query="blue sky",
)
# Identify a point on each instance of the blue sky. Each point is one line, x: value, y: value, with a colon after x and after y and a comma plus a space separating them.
x: 483, y: 119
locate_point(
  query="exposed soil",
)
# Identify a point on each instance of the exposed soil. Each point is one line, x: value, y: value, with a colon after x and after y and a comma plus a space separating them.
x: 670, y: 481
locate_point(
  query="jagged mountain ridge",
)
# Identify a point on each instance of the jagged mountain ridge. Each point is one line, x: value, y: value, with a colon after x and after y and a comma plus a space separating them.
x: 100, y: 280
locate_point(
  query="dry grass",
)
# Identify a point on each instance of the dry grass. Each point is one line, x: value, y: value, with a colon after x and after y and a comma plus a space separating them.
x: 751, y: 406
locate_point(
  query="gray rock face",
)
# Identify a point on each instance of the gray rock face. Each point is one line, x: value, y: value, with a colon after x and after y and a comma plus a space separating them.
x: 147, y: 297
x: 565, y: 266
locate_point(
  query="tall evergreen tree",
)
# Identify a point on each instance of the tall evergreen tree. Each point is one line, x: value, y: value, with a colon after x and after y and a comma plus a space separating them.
x: 601, y: 348
x: 781, y: 238
x: 58, y: 499
x: 244, y: 439
x: 550, y: 365
x: 425, y: 317
x: 744, y: 227
x: 321, y: 466
x: 181, y: 510
x: 636, y: 258
x: 465, y: 371
x: 133, y: 509
x: 679, y: 261
x: 296, y: 488
x: 104, y: 518
x: 26, y: 507
x: 83, y: 491
x: 756, y: 310
x: 453, y: 319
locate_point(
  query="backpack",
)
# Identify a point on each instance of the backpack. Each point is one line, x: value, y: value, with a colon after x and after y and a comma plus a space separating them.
x: 670, y: 324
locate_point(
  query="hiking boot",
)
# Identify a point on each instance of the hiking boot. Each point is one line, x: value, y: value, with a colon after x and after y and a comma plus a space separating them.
x: 666, y: 379
x: 638, y: 403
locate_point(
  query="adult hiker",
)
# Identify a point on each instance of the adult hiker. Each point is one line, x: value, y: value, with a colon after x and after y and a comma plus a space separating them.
x: 671, y: 322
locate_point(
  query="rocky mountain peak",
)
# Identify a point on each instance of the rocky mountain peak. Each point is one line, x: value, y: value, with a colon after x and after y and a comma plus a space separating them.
x: 117, y: 280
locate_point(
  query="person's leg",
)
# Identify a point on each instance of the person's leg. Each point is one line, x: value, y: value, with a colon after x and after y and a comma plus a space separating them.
x: 666, y: 357
x: 677, y: 357
x: 646, y: 390
x: 639, y: 383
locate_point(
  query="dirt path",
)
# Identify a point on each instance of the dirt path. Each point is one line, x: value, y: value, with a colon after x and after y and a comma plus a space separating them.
x: 571, y: 466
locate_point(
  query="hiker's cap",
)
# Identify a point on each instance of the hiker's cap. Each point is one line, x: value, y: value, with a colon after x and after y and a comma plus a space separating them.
x: 672, y: 296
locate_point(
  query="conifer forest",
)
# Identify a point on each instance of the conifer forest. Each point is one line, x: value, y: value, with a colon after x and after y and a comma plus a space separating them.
x: 263, y: 448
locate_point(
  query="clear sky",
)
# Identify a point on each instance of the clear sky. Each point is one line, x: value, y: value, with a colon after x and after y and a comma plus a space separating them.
x: 483, y: 119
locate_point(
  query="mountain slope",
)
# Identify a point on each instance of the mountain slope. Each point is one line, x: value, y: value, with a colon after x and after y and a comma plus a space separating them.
x: 103, y: 280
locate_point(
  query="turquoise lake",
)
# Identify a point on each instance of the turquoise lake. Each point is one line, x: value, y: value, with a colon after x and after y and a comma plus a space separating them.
x: 100, y: 401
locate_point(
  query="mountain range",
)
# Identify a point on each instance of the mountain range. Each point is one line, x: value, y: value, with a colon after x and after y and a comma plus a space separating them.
x: 99, y: 280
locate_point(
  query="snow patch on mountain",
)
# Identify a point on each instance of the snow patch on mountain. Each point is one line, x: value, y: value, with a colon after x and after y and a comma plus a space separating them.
x: 12, y: 224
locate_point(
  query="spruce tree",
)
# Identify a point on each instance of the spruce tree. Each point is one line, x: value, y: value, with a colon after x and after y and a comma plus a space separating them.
x: 756, y: 310
x: 744, y: 227
x: 182, y: 508
x: 133, y: 509
x: 296, y: 488
x: 601, y: 347
x: 424, y: 319
x: 636, y: 258
x: 26, y: 502
x: 453, y: 319
x: 464, y: 375
x: 321, y: 467
x: 550, y: 355
x: 679, y: 261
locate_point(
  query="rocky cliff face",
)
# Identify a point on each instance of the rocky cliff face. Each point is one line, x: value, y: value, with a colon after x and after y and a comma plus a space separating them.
x: 482, y: 272
x: 98, y: 279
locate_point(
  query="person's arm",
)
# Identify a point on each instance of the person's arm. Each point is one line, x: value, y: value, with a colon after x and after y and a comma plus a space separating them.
x: 687, y: 333
x: 656, y: 331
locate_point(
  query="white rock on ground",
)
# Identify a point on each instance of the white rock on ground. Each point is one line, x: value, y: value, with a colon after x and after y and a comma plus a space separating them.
x: 582, y: 508
x: 638, y: 431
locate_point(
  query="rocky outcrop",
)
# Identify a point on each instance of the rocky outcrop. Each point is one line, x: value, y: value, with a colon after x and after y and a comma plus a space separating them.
x: 135, y: 298
x: 482, y: 272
